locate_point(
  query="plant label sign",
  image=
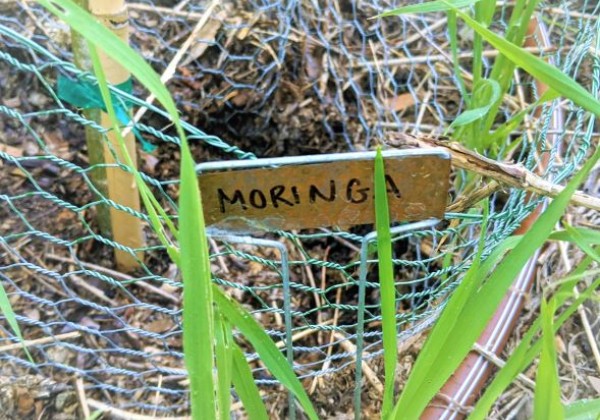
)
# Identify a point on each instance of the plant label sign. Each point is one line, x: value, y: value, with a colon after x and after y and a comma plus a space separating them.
x: 322, y: 190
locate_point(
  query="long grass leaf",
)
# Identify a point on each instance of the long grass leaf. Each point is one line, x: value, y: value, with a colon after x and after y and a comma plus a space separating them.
x: 482, y: 100
x: 582, y: 243
x: 503, y: 68
x: 9, y: 314
x: 197, y: 306
x: 198, y: 311
x: 507, y: 128
x: 486, y: 93
x: 246, y: 387
x: 478, y: 47
x: 537, y: 67
x: 420, y: 374
x: 386, y: 281
x: 443, y: 358
x: 198, y: 300
x: 198, y: 334
x: 583, y: 410
x: 525, y: 352
x: 269, y: 354
x: 224, y: 357
x: 585, y: 235
x: 453, y: 35
x: 428, y: 7
x: 546, y: 401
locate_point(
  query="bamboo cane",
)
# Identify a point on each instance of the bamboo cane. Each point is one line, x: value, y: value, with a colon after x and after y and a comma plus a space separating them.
x: 112, y: 181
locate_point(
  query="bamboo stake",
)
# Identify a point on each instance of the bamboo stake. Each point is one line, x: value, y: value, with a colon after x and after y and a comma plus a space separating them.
x: 113, y: 182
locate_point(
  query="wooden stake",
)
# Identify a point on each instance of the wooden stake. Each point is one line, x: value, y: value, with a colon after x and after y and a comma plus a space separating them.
x: 113, y: 182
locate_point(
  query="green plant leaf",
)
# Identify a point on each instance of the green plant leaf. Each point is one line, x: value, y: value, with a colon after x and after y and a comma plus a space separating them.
x: 197, y: 305
x: 451, y: 346
x: 269, y: 354
x: 198, y: 335
x: 246, y: 387
x: 586, y: 235
x: 224, y: 356
x: 546, y: 401
x: 453, y: 35
x: 95, y: 415
x: 503, y: 68
x: 538, y: 68
x: 527, y: 349
x: 428, y: 7
x: 200, y: 361
x: 583, y: 410
x: 198, y: 311
x: 507, y: 128
x: 421, y: 373
x: 386, y: 281
x: 485, y: 94
x: 9, y: 314
x: 581, y: 242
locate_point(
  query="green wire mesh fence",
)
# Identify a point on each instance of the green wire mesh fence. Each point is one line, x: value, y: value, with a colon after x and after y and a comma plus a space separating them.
x: 262, y: 78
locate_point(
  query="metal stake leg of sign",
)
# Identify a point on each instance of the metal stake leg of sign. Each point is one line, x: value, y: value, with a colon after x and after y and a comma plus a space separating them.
x: 362, y: 280
x: 273, y: 194
x: 287, y: 303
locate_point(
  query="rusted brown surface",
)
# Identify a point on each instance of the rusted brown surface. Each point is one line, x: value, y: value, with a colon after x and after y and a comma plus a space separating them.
x: 323, y: 194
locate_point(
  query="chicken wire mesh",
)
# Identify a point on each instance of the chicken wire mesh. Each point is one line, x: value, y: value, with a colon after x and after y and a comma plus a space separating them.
x: 261, y: 78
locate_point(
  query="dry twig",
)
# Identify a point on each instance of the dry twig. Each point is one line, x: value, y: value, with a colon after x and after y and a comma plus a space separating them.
x: 43, y: 340
x: 514, y: 175
x: 126, y: 415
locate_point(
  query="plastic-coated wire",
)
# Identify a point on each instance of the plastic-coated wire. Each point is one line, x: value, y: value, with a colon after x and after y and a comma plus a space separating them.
x: 239, y: 91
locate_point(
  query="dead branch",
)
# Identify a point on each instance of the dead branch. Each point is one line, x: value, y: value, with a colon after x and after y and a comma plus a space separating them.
x: 514, y: 175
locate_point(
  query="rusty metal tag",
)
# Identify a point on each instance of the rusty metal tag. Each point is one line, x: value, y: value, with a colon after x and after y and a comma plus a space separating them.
x: 322, y: 190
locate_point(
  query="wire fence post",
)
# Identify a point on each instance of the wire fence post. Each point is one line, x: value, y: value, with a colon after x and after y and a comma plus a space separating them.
x: 287, y: 302
x: 362, y: 281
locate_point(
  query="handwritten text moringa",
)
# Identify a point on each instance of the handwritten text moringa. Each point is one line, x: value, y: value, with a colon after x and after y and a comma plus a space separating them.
x: 352, y: 191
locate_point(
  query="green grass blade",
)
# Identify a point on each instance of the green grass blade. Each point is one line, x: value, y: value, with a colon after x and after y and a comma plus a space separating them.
x: 583, y: 410
x: 488, y: 7
x: 198, y: 334
x: 584, y: 245
x: 387, y: 286
x: 269, y: 354
x: 420, y: 374
x: 95, y: 415
x: 537, y: 67
x: 428, y: 7
x: 9, y: 314
x: 246, y: 387
x: 198, y: 311
x: 498, y: 253
x: 198, y: 299
x: 546, y: 401
x: 525, y: 352
x: 503, y: 68
x: 453, y: 35
x: 224, y: 358
x: 478, y: 48
x: 486, y: 93
x: 589, y: 236
x: 503, y: 131
x: 452, y: 346
x: 197, y: 306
